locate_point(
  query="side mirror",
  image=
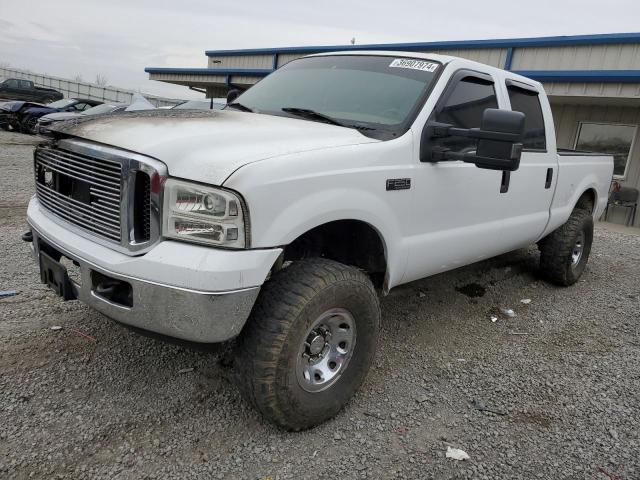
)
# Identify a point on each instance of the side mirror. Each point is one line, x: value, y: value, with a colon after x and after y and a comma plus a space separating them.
x: 499, y: 145
x: 503, y: 151
x: 232, y: 95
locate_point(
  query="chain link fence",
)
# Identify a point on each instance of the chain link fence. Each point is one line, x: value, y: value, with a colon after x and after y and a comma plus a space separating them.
x: 78, y: 89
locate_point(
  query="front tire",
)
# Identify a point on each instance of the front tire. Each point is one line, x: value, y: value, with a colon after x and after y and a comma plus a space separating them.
x: 28, y: 126
x: 309, y: 342
x: 565, y: 252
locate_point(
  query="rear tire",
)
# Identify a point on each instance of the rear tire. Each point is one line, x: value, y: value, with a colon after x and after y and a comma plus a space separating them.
x: 309, y: 342
x: 565, y: 252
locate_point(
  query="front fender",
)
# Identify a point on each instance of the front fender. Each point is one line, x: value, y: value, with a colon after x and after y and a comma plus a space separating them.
x: 290, y: 195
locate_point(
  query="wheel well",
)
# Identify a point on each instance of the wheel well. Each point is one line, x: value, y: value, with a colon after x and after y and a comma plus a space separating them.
x: 351, y: 242
x: 587, y: 201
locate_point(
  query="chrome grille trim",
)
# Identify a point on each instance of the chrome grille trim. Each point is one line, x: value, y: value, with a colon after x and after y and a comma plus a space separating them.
x: 63, y: 207
x: 58, y: 166
x: 103, y: 183
x: 81, y: 207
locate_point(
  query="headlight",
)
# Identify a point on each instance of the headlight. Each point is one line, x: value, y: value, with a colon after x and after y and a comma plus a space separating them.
x: 200, y: 214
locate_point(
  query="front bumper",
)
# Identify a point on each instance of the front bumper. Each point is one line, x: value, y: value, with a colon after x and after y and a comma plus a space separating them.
x: 180, y: 290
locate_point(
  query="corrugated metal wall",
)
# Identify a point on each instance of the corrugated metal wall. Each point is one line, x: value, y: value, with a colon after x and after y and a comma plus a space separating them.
x: 285, y: 58
x: 593, y: 89
x: 241, y: 61
x: 578, y: 57
x: 91, y: 91
x: 189, y: 79
x: 567, y: 118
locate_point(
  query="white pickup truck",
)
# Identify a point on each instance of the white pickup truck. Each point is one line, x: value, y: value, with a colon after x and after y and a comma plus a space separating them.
x: 278, y: 220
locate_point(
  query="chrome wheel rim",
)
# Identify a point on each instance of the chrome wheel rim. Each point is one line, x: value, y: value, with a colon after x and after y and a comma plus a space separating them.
x: 578, y: 248
x: 326, y: 350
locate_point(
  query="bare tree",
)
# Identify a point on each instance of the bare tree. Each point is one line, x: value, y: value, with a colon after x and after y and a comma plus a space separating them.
x: 77, y: 78
x: 101, y: 79
x: 5, y: 64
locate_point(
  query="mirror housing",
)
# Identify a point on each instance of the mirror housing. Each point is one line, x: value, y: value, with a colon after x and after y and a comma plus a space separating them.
x: 499, y: 145
x: 232, y: 95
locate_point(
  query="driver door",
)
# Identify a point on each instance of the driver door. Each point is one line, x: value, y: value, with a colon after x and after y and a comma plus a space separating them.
x: 459, y: 209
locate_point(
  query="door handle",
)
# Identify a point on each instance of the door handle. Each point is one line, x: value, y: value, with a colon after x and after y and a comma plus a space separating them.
x: 549, y: 180
x: 504, y: 184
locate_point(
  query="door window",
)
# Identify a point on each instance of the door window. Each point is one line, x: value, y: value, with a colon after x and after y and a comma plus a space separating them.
x: 80, y: 107
x: 11, y: 83
x: 528, y: 102
x: 464, y: 108
x: 25, y: 84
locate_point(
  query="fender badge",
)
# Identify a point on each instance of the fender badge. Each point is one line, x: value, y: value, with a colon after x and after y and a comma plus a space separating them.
x: 398, y: 184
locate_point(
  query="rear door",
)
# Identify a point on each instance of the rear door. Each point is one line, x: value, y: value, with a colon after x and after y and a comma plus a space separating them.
x: 27, y: 91
x: 530, y: 188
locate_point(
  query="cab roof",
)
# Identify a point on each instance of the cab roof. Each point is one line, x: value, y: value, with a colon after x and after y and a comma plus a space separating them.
x: 443, y: 59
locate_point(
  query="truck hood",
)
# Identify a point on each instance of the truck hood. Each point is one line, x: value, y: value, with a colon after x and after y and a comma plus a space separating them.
x: 205, y: 145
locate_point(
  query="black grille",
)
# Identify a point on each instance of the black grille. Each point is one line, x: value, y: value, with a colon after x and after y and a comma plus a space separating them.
x: 142, y: 208
x: 83, y: 190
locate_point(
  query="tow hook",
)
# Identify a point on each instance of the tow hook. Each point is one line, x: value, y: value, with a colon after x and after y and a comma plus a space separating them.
x: 27, y: 236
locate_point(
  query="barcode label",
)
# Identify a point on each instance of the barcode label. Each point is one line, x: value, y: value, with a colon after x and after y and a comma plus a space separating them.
x: 414, y: 64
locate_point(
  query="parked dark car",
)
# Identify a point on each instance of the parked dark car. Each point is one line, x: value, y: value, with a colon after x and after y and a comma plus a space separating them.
x: 18, y: 89
x: 27, y: 118
x: 11, y: 111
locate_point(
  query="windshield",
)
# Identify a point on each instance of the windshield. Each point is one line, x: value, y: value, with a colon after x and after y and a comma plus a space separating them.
x: 356, y: 90
x: 65, y: 102
x: 98, y: 109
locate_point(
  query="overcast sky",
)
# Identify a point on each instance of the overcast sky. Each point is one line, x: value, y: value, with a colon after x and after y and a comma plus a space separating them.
x: 119, y: 38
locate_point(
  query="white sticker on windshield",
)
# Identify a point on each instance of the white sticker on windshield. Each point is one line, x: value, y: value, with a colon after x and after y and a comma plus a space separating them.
x: 414, y: 64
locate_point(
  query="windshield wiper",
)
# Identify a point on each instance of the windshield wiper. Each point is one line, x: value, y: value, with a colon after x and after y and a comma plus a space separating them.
x: 313, y: 115
x: 240, y: 106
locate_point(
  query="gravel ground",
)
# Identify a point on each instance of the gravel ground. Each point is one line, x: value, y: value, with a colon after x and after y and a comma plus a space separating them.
x: 551, y: 393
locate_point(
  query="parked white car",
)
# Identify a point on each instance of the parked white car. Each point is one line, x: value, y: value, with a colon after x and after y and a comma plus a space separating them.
x: 279, y: 220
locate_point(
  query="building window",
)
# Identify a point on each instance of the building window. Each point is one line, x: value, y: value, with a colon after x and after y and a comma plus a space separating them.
x: 527, y: 102
x: 613, y: 139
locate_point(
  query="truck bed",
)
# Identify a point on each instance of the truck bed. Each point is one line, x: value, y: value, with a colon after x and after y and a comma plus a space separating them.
x: 579, y: 172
